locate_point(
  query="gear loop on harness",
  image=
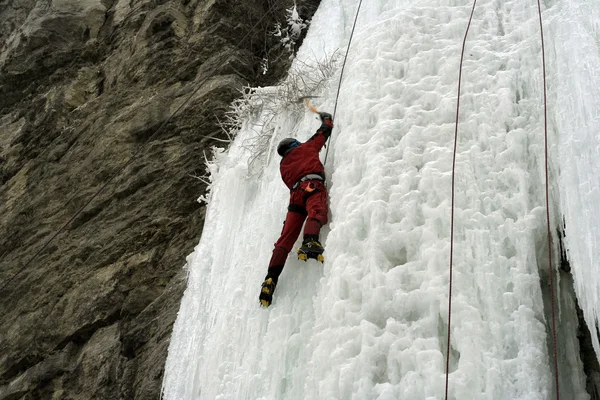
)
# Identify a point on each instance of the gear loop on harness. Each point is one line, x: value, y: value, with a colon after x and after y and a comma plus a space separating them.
x: 309, y: 177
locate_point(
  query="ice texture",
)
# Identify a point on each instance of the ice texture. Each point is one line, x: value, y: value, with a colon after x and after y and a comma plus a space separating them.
x: 371, y: 322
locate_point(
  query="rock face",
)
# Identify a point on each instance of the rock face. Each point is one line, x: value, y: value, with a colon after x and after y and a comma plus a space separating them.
x: 87, y: 90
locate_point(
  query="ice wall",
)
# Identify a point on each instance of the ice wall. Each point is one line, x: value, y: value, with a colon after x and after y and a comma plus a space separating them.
x: 577, y: 116
x: 371, y: 322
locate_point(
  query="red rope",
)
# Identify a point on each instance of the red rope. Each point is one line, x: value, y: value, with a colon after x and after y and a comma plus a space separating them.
x: 462, y: 54
x: 550, y: 269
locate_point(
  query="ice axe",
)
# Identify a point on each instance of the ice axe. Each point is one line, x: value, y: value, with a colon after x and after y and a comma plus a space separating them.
x: 306, y: 100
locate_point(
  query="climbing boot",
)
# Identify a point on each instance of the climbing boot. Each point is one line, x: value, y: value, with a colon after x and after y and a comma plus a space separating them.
x: 266, y: 291
x: 311, y: 248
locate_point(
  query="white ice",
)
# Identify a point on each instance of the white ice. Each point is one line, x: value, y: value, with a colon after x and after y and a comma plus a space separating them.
x: 371, y: 322
x: 578, y: 121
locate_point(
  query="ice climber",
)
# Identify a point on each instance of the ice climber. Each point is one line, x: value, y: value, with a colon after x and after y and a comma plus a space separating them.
x: 304, y: 174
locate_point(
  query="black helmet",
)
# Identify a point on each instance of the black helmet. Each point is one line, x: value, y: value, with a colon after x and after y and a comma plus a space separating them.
x: 286, y: 145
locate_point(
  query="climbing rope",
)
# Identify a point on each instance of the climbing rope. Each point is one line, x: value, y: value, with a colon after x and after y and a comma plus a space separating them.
x: 342, y: 73
x: 550, y: 272
x: 135, y: 154
x: 462, y: 54
x: 550, y: 268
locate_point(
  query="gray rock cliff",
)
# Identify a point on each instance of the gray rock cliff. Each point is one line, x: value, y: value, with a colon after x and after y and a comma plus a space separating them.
x: 85, y: 87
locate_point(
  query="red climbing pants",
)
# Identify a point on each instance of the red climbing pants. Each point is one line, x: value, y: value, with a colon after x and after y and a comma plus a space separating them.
x: 308, y: 201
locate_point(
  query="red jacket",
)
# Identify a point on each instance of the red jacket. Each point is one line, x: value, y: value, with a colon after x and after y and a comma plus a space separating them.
x: 304, y: 159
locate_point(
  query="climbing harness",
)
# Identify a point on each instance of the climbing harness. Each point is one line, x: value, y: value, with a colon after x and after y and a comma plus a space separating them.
x: 307, y: 178
x: 547, y: 204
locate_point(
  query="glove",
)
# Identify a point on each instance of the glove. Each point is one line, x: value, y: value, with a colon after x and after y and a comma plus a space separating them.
x: 325, y: 116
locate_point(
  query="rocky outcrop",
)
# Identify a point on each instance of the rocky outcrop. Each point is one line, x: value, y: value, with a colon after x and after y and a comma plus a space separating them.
x: 87, y: 91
